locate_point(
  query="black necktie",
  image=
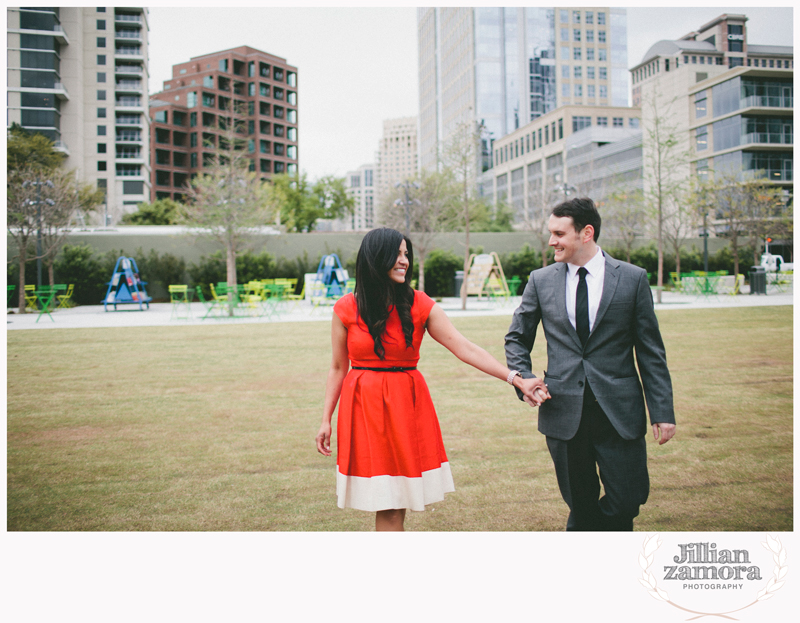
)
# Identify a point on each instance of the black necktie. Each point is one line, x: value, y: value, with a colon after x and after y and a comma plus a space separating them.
x: 582, y: 307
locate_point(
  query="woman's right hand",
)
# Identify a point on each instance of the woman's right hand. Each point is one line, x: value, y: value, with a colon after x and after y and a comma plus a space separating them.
x: 534, y: 391
x: 324, y: 440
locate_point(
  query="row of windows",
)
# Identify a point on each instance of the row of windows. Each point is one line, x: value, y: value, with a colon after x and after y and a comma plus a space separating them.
x: 577, y: 54
x: 590, y: 90
x: 738, y: 130
x: 526, y: 144
x: 210, y: 120
x: 588, y: 16
x: 591, y: 72
x: 264, y: 70
x: 577, y: 34
x: 209, y: 141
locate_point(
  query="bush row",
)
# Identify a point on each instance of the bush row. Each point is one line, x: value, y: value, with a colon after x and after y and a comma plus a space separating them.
x: 90, y: 272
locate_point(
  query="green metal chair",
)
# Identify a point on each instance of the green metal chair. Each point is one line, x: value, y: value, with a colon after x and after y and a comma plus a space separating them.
x: 180, y: 296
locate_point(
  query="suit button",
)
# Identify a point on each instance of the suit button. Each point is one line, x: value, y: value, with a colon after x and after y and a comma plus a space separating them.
x: 580, y: 383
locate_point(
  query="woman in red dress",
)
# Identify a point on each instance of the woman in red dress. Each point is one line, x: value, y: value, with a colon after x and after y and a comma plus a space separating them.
x: 390, y: 454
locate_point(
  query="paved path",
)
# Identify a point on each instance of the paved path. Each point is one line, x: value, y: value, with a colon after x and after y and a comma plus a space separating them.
x: 159, y: 314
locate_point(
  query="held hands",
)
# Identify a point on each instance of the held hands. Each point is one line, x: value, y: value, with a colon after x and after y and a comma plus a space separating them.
x: 667, y: 431
x: 324, y: 440
x: 534, y: 391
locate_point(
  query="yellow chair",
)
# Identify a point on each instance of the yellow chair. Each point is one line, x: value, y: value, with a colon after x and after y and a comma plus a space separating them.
x: 30, y: 299
x: 180, y: 296
x: 65, y: 300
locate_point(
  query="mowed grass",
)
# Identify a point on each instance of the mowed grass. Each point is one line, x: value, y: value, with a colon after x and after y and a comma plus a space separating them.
x: 212, y: 428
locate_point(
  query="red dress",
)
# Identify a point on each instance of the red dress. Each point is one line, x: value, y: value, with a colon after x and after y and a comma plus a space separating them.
x: 389, y: 446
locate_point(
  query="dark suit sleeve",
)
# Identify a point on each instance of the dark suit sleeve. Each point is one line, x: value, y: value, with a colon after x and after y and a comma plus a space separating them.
x: 651, y: 357
x: 522, y: 332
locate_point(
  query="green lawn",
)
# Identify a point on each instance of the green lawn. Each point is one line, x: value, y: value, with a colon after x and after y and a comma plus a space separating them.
x: 212, y: 428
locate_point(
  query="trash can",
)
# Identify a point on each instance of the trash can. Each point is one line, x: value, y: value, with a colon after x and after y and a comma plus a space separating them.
x: 758, y: 280
x: 457, y: 281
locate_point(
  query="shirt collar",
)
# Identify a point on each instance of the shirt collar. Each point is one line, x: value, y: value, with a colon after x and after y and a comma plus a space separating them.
x: 592, y: 266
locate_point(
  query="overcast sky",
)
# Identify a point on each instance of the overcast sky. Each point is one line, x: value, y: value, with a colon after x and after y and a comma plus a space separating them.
x: 358, y: 66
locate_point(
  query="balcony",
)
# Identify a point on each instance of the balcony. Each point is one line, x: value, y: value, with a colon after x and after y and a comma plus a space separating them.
x: 123, y: 17
x: 768, y: 138
x: 129, y: 120
x: 129, y: 69
x: 61, y: 146
x: 767, y: 101
x: 129, y: 85
x: 128, y: 102
x: 129, y: 51
x: 129, y: 137
x: 129, y: 34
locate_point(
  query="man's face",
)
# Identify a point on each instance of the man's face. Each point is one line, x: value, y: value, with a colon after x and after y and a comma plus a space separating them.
x: 567, y: 243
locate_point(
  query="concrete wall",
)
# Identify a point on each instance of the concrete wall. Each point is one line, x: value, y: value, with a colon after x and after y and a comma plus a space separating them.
x: 176, y: 241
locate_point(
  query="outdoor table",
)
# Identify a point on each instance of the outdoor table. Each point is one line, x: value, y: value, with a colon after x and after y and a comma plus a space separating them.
x: 43, y: 300
x: 181, y: 299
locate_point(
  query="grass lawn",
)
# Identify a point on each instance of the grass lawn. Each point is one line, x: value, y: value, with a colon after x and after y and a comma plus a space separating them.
x: 212, y: 428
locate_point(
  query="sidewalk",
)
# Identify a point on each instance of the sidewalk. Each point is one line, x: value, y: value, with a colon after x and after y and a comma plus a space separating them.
x: 159, y: 314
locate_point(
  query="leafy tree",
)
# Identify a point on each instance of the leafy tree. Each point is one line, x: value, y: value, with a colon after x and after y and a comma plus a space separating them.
x: 160, y: 212
x: 624, y: 217
x: 299, y: 204
x: 229, y: 202
x: 330, y: 194
x: 26, y: 149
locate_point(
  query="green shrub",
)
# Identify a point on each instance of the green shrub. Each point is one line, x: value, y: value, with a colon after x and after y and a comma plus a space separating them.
x: 520, y: 264
x: 440, y: 268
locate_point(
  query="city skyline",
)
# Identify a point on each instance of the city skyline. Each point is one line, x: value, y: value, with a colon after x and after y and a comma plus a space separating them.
x: 332, y: 46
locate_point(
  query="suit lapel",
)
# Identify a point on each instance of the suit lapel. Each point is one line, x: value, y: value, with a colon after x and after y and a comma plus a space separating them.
x: 561, y: 298
x: 610, y: 281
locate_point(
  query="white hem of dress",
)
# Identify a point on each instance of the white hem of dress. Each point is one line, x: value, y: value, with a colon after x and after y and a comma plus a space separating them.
x: 387, y: 492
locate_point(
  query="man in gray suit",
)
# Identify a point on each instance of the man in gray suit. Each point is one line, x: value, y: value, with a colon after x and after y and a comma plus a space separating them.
x: 595, y: 311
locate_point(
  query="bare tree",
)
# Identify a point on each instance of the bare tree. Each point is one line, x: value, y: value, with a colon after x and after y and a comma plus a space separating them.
x: 40, y: 204
x: 462, y: 155
x: 625, y: 217
x: 428, y: 213
x: 228, y: 201
x: 680, y: 223
x: 663, y: 157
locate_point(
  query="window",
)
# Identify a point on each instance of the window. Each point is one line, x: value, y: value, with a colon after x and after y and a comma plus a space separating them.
x: 277, y: 111
x: 263, y: 70
x: 602, y: 122
x: 208, y: 100
x: 565, y: 71
x: 589, y: 54
x: 291, y: 98
x: 580, y: 122
x: 576, y: 17
x: 251, y: 146
x: 101, y: 24
x: 101, y: 59
x: 264, y: 146
x: 565, y: 34
x: 101, y: 130
x: 601, y: 36
x: 601, y: 18
x: 700, y: 104
x: 277, y: 93
x: 291, y: 79
x: 278, y: 167
x: 101, y: 42
x: 101, y: 113
x: 603, y: 73
x: 578, y: 90
x: 191, y: 99
x: 618, y: 122
x: 192, y: 119
x: 251, y: 126
x: 251, y: 89
x: 193, y: 160
x: 101, y: 76
x: 577, y: 72
x: 161, y: 116
x: 564, y: 15
x: 737, y: 61
x: 576, y: 54
x: 291, y: 134
x: 603, y: 91
x: 263, y: 89
x: 101, y: 9
x: 251, y: 108
x: 101, y: 165
x: 251, y: 69
x: 193, y: 139
x: 291, y: 152
x: 277, y: 74
x: 735, y: 37
x: 278, y: 149
x: 560, y: 128
x: 278, y: 130
x: 101, y: 96
x: 590, y: 36
x: 223, y: 64
x: 590, y: 90
x: 564, y: 90
x: 633, y: 122
x: 565, y: 52
x: 101, y: 148
x: 208, y: 82
x: 701, y: 138
x: 590, y: 17
x: 590, y: 73
x: 576, y: 34
x: 601, y: 54
x: 291, y: 115
x: 263, y: 108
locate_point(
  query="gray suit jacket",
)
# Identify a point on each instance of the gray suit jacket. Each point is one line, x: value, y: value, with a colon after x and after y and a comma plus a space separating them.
x: 625, y: 321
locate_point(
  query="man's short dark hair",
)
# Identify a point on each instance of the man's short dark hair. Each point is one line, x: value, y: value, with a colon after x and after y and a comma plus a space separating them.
x: 582, y: 211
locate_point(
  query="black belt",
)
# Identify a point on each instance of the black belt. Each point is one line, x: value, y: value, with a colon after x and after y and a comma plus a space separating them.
x: 395, y: 369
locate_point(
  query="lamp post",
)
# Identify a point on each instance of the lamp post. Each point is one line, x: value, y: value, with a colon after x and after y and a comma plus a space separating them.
x: 38, y: 203
x: 704, y: 236
x: 564, y: 187
x: 407, y: 203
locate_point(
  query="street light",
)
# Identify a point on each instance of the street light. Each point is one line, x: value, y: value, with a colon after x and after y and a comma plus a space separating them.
x: 38, y: 203
x: 407, y: 203
x: 565, y: 188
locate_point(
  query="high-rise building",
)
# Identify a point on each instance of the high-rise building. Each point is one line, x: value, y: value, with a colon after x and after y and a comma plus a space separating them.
x: 397, y: 155
x: 504, y: 67
x: 79, y: 76
x: 192, y: 111
x: 361, y: 187
x: 730, y: 102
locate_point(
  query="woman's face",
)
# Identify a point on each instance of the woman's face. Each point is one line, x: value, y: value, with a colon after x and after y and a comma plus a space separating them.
x: 398, y: 271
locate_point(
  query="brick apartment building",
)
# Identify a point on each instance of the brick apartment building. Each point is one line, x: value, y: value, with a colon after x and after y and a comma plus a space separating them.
x: 186, y: 116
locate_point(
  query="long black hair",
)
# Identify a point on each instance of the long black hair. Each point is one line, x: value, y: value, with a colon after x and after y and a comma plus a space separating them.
x: 375, y: 292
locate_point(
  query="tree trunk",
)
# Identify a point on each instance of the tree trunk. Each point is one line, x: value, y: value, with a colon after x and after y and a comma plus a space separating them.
x: 50, y: 273
x: 678, y: 261
x: 466, y: 250
x: 231, y: 277
x: 660, y: 282
x: 421, y: 280
x: 22, y: 261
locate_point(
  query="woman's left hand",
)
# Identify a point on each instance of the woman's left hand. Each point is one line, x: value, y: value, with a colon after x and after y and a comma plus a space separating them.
x: 534, y: 391
x: 324, y: 440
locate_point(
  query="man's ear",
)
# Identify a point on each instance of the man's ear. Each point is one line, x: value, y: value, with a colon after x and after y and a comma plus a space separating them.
x: 587, y: 233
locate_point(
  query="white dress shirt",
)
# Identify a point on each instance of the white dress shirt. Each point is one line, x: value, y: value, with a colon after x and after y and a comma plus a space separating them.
x: 596, y: 272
